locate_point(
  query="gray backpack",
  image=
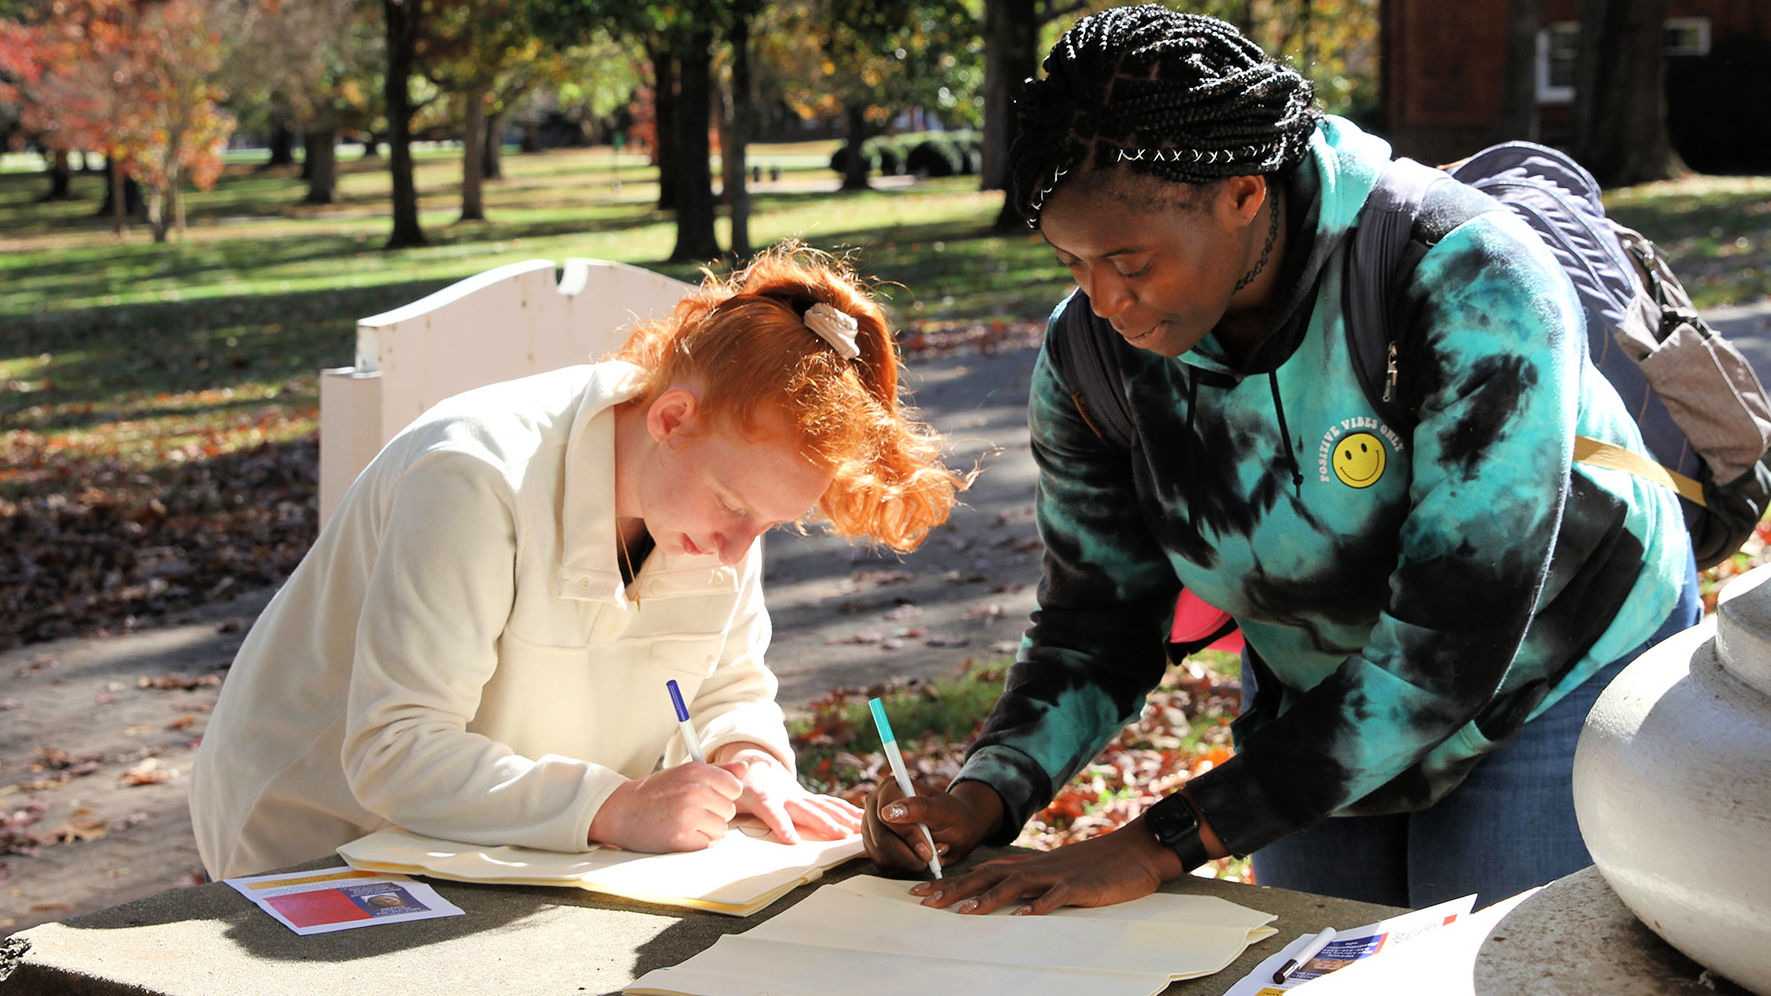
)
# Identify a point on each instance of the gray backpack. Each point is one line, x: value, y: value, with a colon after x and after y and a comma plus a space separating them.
x: 1701, y: 408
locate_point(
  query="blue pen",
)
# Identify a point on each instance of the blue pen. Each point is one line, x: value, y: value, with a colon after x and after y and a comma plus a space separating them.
x: 896, y: 757
x: 691, y: 739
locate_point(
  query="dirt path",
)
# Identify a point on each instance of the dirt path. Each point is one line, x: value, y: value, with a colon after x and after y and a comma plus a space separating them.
x: 96, y: 735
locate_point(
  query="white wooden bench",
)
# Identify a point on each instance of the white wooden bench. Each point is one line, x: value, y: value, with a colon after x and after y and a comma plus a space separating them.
x: 507, y: 322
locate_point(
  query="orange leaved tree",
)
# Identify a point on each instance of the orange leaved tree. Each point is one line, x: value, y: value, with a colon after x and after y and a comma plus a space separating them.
x: 126, y: 79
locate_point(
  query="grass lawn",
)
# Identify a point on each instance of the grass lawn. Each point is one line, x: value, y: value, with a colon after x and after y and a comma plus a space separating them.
x: 180, y: 340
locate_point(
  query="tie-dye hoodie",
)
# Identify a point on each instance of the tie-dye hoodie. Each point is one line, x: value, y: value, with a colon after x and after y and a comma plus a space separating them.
x: 1411, y: 597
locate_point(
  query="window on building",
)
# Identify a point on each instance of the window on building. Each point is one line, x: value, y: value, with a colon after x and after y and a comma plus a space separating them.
x: 1557, y: 44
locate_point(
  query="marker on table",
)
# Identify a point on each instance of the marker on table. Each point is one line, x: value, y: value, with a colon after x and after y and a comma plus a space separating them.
x: 897, y: 758
x: 1310, y: 950
x: 691, y: 739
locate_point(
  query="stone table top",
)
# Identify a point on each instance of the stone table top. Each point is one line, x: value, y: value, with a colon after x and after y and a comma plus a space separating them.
x: 513, y: 939
x: 1573, y: 937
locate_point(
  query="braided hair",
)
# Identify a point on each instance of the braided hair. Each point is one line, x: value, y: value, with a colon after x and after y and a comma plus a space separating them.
x: 1184, y: 97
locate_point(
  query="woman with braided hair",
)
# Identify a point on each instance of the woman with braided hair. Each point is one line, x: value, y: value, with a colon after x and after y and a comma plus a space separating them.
x: 1428, y: 610
x: 478, y: 644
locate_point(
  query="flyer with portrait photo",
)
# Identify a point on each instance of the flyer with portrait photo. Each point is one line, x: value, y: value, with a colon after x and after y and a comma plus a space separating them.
x: 327, y: 899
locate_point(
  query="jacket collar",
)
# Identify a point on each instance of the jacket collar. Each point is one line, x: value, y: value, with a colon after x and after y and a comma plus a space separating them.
x: 589, y: 568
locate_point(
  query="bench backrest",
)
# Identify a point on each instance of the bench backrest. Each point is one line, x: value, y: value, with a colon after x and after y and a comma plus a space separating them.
x: 507, y: 322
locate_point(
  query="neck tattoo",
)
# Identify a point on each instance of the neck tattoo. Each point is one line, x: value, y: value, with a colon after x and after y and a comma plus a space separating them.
x: 1267, y: 247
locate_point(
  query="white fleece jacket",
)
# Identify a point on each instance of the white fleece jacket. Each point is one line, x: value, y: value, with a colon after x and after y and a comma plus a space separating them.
x: 456, y: 655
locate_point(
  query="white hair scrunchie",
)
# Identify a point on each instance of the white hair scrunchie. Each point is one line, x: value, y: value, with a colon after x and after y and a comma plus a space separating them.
x: 835, y: 327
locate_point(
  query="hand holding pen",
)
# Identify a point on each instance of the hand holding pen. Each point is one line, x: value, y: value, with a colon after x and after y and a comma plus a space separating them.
x: 896, y: 758
x: 684, y: 807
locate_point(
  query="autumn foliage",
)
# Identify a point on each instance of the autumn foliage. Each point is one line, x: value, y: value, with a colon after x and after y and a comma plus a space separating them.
x: 128, y: 79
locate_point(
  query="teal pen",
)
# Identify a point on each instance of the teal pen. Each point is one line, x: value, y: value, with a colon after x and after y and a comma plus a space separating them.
x: 691, y: 739
x: 896, y: 757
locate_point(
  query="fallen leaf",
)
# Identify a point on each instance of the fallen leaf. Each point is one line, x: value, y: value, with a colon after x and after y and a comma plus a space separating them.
x: 148, y: 772
x: 83, y: 824
x: 178, y: 682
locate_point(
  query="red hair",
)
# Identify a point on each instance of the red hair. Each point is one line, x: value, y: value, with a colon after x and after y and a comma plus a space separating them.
x: 744, y: 343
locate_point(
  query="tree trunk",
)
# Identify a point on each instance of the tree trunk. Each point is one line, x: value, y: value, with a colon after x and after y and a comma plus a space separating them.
x: 1518, y: 111
x: 321, y: 152
x: 119, y: 211
x: 473, y: 157
x: 158, y: 201
x: 402, y: 35
x: 492, y: 164
x: 1011, y: 54
x: 854, y: 167
x: 61, y: 178
x: 1620, y: 92
x: 695, y: 237
x: 282, y: 143
x: 739, y: 123
x: 664, y: 115
x: 123, y: 198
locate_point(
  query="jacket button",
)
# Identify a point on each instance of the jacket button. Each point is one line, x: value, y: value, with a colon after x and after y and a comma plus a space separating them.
x: 583, y: 582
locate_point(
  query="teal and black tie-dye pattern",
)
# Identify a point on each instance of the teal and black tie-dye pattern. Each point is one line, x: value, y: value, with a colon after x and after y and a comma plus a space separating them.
x: 1412, y: 601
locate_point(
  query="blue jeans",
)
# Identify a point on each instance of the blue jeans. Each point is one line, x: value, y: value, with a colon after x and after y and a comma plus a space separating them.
x: 1510, y: 825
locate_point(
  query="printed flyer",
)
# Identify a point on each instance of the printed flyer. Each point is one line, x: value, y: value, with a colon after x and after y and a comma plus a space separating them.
x: 1348, y: 947
x: 327, y: 899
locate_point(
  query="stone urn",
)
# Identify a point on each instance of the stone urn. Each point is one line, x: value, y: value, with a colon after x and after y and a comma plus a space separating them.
x: 1672, y: 786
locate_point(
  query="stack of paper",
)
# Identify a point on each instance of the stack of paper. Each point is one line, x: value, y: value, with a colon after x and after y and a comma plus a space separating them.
x: 868, y: 935
x: 740, y: 873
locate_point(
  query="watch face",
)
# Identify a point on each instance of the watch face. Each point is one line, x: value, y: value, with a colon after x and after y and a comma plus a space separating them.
x: 1172, y: 820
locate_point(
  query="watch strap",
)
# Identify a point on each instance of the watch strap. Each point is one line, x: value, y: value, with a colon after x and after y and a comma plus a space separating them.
x: 1175, y: 824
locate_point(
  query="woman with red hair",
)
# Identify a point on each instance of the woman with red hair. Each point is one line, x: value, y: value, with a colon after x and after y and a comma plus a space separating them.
x: 478, y: 644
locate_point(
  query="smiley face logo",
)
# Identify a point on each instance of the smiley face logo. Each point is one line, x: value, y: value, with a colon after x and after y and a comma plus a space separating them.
x: 1359, y: 460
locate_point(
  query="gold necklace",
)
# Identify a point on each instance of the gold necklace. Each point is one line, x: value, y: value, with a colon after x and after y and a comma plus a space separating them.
x: 632, y: 575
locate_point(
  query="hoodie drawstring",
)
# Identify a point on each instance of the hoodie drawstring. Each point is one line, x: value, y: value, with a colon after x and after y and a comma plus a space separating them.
x: 1291, y: 460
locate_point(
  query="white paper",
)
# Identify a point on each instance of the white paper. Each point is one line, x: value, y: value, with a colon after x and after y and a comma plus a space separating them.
x: 738, y: 874
x: 868, y: 935
x: 328, y: 899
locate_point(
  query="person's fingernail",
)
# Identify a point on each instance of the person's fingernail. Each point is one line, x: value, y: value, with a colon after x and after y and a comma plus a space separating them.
x: 895, y: 811
x: 967, y: 906
x: 922, y: 889
x: 1023, y: 911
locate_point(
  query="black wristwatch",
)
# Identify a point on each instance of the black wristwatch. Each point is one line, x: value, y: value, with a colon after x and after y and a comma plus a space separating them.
x: 1176, y: 827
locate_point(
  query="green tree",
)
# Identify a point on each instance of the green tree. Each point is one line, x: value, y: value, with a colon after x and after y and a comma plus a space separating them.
x: 679, y: 39
x: 876, y: 58
x: 312, y: 68
x: 482, y: 51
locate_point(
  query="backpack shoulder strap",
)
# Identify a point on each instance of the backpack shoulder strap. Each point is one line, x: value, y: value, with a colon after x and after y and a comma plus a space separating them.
x: 1410, y: 209
x: 1081, y: 349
